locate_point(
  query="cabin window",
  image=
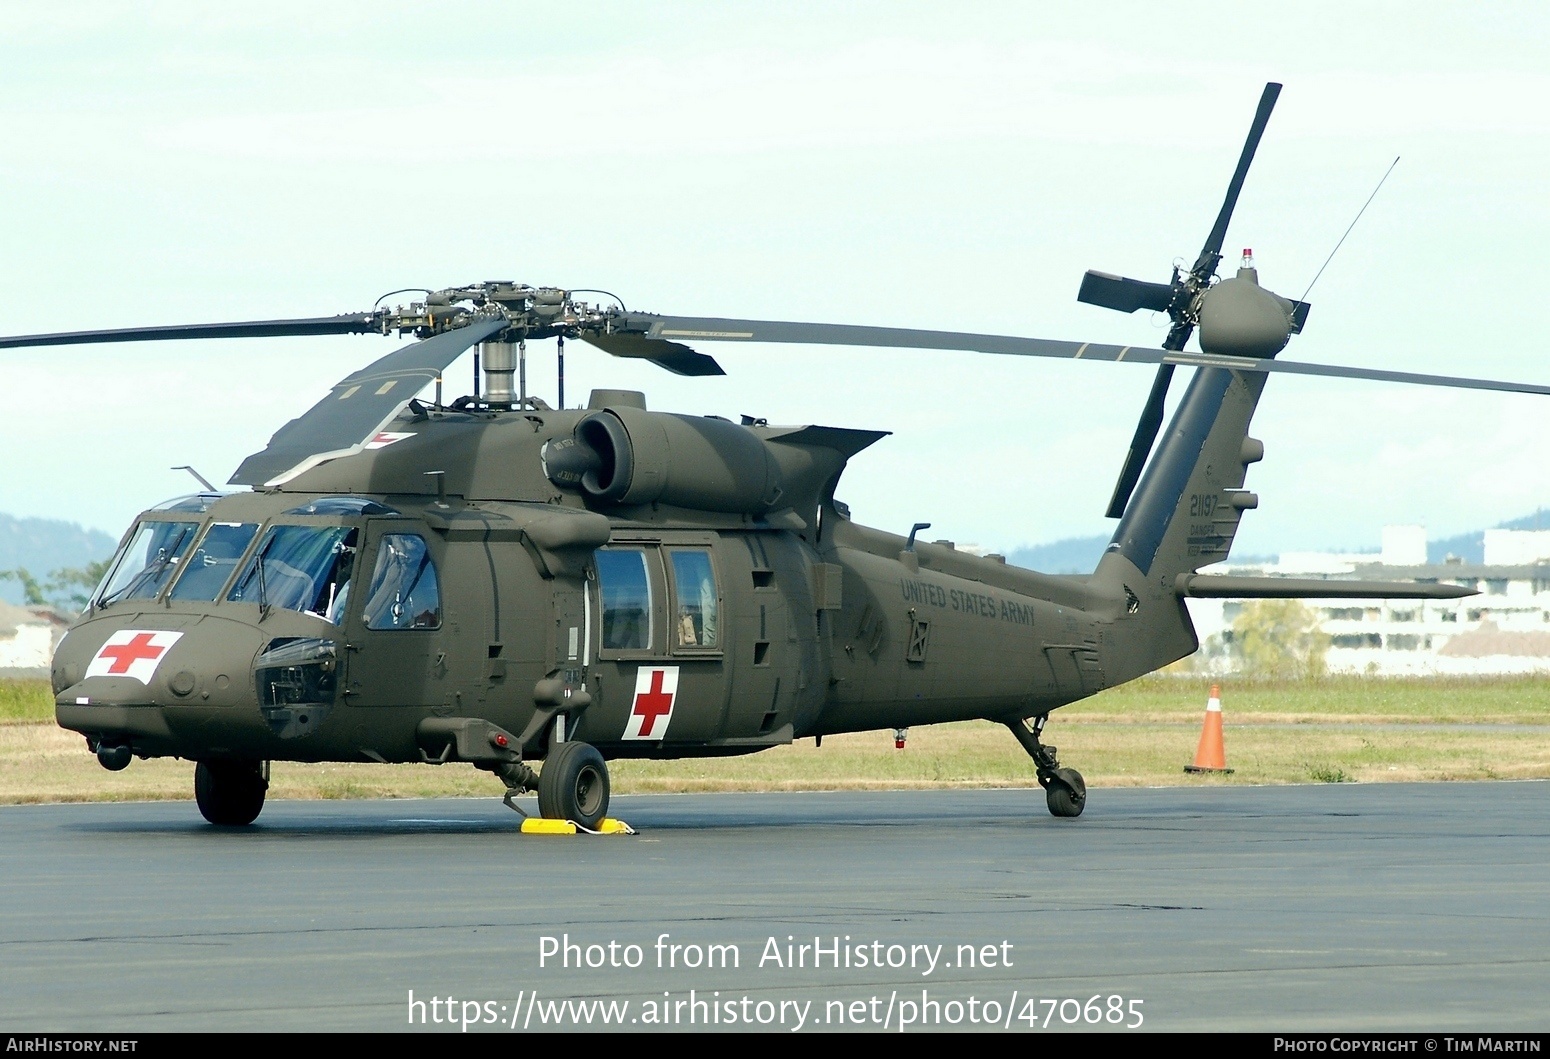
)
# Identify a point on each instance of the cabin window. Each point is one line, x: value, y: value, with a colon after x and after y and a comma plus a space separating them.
x: 206, y: 571
x: 696, y: 617
x: 625, y: 587
x: 404, y: 591
x: 148, y: 562
x: 305, y: 568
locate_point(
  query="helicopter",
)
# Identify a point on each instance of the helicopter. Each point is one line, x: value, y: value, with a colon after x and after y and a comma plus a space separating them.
x: 499, y: 582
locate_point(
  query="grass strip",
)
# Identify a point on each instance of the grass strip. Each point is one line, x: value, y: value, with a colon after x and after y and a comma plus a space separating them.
x: 1141, y: 735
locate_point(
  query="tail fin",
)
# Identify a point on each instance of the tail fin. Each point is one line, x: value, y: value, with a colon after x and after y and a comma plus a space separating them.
x: 1183, y: 516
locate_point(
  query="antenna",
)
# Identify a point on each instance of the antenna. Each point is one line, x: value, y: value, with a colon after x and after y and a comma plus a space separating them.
x: 1358, y: 217
x: 198, y: 477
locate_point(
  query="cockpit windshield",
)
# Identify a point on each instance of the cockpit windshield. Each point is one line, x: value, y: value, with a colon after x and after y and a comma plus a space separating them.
x: 212, y: 562
x: 148, y: 562
x: 305, y: 568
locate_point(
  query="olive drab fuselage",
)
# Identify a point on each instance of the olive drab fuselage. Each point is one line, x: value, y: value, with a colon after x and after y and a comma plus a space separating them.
x: 496, y: 581
x: 717, y: 602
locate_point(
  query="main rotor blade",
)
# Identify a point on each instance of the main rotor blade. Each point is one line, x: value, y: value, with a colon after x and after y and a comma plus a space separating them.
x: 348, y: 324
x: 1213, y: 247
x: 1292, y: 367
x: 1141, y: 444
x: 719, y: 329
x: 674, y: 356
x: 722, y: 329
x: 359, y: 406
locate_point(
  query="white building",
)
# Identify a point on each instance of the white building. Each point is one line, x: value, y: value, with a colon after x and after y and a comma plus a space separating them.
x: 28, y: 639
x: 1504, y: 629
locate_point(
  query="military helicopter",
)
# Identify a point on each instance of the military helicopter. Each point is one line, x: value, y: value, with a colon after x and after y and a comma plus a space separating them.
x: 498, y: 582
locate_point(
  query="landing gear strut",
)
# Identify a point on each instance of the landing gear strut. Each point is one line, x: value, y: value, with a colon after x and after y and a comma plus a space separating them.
x: 518, y: 778
x: 1064, y: 790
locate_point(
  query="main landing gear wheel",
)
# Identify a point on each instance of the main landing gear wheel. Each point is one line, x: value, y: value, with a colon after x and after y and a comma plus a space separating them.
x: 574, y: 785
x: 1065, y: 793
x: 230, y: 793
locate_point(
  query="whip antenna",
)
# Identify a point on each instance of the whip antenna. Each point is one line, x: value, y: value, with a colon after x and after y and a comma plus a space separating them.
x: 1358, y: 217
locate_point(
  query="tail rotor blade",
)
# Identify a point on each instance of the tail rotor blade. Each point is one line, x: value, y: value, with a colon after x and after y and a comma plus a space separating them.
x: 1179, y: 299
x: 1141, y: 445
x: 1213, y: 247
x: 1124, y: 294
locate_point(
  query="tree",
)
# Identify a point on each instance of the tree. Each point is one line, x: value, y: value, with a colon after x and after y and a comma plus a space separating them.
x: 65, y: 587
x: 32, y: 591
x: 1280, y: 639
x: 73, y: 584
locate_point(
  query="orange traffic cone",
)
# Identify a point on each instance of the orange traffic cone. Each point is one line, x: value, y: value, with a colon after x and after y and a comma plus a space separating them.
x: 1211, y: 756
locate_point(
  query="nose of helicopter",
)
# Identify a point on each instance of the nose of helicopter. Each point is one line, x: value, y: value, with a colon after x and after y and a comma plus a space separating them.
x: 145, y: 681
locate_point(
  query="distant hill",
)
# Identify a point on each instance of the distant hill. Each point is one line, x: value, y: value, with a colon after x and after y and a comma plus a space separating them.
x: 42, y: 545
x: 1470, y: 547
x: 1074, y: 555
x: 1079, y: 555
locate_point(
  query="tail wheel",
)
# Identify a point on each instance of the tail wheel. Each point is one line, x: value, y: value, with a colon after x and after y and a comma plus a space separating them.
x: 1066, y: 793
x: 230, y: 793
x: 574, y: 785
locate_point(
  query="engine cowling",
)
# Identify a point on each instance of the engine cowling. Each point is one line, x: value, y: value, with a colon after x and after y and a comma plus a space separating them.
x: 629, y: 456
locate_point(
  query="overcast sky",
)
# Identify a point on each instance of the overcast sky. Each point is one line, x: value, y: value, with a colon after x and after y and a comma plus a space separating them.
x: 943, y: 166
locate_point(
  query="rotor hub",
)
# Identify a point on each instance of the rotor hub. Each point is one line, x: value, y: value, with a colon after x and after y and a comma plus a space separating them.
x: 1239, y: 318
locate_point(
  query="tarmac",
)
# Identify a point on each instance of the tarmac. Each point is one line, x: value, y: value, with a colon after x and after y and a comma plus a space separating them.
x: 1419, y: 908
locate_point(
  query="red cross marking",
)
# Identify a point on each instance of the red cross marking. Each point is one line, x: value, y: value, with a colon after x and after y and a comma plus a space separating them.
x: 653, y: 704
x: 125, y: 655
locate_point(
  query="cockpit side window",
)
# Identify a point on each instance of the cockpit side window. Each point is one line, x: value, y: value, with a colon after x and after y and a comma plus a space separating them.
x: 404, y: 591
x: 206, y: 571
x: 305, y: 568
x: 148, y: 561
